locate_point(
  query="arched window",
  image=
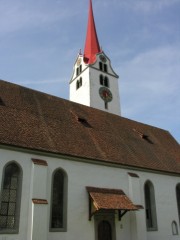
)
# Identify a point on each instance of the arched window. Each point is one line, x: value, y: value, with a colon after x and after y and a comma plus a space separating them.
x: 100, y: 66
x: 178, y: 199
x: 151, y: 218
x: 105, y: 68
x: 104, y: 81
x: 77, y: 71
x: 10, y: 198
x: 80, y: 68
x: 174, y: 228
x: 59, y: 201
x: 101, y: 79
x: 78, y: 83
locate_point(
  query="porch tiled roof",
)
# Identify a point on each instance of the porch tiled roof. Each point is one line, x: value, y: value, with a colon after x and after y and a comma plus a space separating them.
x: 115, y: 199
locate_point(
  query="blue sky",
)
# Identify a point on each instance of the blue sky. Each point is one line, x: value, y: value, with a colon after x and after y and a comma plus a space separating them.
x: 40, y: 40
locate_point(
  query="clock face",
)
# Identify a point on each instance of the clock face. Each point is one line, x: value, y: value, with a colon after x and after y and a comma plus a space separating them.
x: 102, y: 57
x: 105, y: 94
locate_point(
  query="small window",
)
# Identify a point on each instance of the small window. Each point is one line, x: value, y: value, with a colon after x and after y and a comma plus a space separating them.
x: 101, y: 79
x: 105, y: 68
x: 143, y: 136
x: 1, y: 102
x: 79, y: 83
x: 10, y: 199
x: 174, y: 228
x: 178, y: 199
x: 100, y: 66
x: 106, y: 82
x: 151, y: 218
x: 59, y: 201
x: 77, y: 71
x: 80, y: 68
x: 84, y: 122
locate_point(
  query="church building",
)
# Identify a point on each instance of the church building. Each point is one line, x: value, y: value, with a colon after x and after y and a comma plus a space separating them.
x: 76, y: 169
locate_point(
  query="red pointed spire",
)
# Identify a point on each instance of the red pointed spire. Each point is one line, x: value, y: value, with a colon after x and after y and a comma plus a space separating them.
x: 92, y: 44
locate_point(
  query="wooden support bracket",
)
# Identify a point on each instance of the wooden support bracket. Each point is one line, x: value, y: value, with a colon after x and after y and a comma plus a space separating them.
x: 121, y: 213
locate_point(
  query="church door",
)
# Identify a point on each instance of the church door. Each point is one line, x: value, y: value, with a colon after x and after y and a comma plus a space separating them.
x: 104, y: 230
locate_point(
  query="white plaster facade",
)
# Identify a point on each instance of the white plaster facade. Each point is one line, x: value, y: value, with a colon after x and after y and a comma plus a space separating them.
x: 36, y: 183
x: 88, y: 93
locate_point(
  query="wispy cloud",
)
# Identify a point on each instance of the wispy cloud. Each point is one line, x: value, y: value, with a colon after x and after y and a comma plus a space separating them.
x: 16, y: 15
x: 144, y: 6
x: 149, y: 6
x: 150, y: 87
x: 149, y: 79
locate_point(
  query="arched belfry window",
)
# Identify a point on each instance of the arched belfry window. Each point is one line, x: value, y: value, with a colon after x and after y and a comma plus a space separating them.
x: 78, y: 83
x: 150, y: 206
x: 100, y: 66
x: 101, y: 79
x: 104, y: 81
x: 178, y: 199
x: 59, y: 201
x: 10, y: 198
x: 103, y: 67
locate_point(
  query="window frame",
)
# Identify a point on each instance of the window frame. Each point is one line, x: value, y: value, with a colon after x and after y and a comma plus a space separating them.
x: 100, y: 66
x: 14, y: 230
x: 79, y: 83
x: 150, y: 205
x: 101, y: 79
x: 178, y: 199
x: 65, y: 186
x: 104, y: 81
x: 174, y: 227
x: 105, y: 67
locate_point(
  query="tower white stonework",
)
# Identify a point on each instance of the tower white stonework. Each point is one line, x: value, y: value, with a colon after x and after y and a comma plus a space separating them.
x: 94, y: 83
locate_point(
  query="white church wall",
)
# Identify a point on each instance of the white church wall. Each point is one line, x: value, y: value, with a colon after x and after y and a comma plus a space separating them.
x: 80, y: 175
x: 166, y: 204
x: 81, y: 95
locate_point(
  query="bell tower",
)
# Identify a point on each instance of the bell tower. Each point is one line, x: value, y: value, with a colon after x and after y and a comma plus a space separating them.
x: 94, y: 82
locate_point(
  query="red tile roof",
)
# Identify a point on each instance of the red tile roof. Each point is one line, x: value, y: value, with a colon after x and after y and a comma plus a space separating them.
x: 92, y: 44
x: 115, y: 199
x: 34, y: 120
